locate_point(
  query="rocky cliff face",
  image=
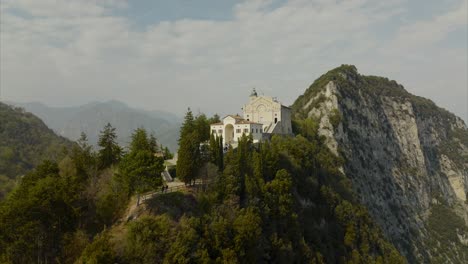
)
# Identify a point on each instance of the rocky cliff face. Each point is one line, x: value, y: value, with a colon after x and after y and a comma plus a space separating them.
x: 407, y: 159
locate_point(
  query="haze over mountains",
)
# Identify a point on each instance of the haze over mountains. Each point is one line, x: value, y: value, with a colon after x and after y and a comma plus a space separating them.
x: 92, y: 117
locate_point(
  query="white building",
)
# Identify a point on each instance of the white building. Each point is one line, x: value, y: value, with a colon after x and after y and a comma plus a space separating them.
x: 233, y: 127
x: 262, y: 116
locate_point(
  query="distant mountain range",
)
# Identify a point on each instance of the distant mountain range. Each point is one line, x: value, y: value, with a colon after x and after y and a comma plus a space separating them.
x: 90, y: 118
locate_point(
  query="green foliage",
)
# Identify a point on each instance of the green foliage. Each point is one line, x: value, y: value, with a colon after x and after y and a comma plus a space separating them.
x: 444, y: 225
x: 336, y: 75
x: 35, y: 216
x: 188, y: 159
x: 216, y: 151
x: 54, y: 209
x: 148, y: 239
x: 282, y: 201
x: 335, y: 118
x: 6, y: 186
x: 167, y: 153
x: 100, y: 251
x: 25, y: 143
x: 452, y: 147
x: 109, y: 152
x: 140, y: 169
x: 194, y: 134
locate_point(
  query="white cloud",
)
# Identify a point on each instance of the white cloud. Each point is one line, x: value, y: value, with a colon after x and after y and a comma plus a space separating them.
x: 422, y: 34
x: 79, y: 51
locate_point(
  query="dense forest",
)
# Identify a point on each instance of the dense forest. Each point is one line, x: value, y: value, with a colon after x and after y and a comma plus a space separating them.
x: 24, y: 142
x: 282, y: 201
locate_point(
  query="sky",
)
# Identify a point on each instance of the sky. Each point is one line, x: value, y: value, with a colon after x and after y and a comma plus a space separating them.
x: 209, y: 54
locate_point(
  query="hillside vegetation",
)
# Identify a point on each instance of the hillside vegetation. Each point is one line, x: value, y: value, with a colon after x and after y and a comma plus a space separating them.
x: 24, y: 142
x: 284, y: 201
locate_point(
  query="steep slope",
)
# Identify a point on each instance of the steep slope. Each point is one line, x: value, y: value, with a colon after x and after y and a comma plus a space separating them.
x: 24, y: 142
x: 91, y: 118
x: 406, y: 157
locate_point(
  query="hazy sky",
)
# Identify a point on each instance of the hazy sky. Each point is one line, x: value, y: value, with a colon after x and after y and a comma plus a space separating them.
x: 208, y: 54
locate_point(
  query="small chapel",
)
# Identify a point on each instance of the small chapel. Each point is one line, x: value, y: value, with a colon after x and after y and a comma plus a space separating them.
x: 262, y: 117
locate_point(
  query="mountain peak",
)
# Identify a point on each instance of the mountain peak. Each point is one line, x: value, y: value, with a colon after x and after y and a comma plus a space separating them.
x: 405, y: 156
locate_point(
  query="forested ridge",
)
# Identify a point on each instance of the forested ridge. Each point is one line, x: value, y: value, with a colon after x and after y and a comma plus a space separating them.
x: 24, y: 142
x: 283, y: 201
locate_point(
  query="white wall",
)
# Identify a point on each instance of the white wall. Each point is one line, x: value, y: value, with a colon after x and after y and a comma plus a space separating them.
x: 263, y: 109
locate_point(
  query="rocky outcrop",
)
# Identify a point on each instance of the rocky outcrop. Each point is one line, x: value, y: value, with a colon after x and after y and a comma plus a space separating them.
x: 403, y: 154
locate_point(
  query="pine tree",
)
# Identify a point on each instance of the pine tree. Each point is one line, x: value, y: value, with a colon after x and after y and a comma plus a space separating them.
x: 110, y: 151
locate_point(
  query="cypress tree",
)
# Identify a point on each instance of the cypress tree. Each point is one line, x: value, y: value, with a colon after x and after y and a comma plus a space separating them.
x: 188, y: 158
x: 189, y: 150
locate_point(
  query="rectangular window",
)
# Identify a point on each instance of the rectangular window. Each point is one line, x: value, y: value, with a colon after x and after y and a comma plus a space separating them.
x: 256, y: 130
x: 238, y: 131
x: 246, y: 130
x: 220, y: 131
x: 253, y: 130
x: 213, y: 131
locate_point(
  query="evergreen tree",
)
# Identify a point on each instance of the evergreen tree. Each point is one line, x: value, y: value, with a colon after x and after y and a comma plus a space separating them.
x: 188, y: 160
x: 214, y: 119
x: 188, y: 126
x: 202, y: 126
x: 83, y: 157
x: 244, y: 151
x: 220, y: 153
x: 140, y: 168
x: 153, y: 143
x: 167, y: 153
x: 110, y: 151
x: 141, y: 142
x: 192, y: 134
x: 216, y: 151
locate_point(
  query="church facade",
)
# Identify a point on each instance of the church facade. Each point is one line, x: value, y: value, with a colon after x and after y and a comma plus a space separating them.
x: 262, y: 117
